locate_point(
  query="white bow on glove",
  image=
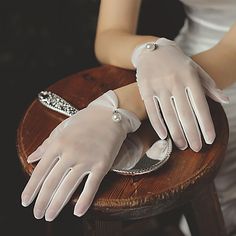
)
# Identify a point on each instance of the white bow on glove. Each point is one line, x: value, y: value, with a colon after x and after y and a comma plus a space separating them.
x: 86, y: 143
x: 174, y: 88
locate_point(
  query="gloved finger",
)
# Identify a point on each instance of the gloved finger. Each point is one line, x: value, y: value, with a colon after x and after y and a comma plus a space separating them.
x: 49, y: 187
x: 38, y: 153
x: 155, y: 117
x: 89, y: 191
x: 188, y: 119
x: 201, y: 109
x: 172, y: 121
x: 217, y: 95
x: 209, y: 85
x: 65, y: 191
x: 40, y: 172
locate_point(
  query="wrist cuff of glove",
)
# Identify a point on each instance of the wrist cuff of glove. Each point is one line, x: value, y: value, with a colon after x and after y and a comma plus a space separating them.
x: 125, y: 117
x: 149, y: 46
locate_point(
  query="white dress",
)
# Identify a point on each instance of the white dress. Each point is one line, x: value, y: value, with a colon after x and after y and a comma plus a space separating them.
x: 206, y: 23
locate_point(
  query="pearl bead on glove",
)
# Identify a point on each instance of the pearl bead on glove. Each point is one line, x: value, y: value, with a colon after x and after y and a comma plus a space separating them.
x: 174, y: 88
x: 85, y: 144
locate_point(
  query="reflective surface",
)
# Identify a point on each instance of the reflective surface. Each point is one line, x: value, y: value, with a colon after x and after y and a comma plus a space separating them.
x: 137, y: 157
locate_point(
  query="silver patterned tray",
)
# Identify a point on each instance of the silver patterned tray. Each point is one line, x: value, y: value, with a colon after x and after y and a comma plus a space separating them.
x: 56, y: 103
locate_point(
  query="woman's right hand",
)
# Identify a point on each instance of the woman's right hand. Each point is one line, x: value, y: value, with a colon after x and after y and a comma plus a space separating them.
x: 173, y: 88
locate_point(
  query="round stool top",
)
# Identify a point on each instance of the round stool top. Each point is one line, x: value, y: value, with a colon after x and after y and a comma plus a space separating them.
x: 128, y: 196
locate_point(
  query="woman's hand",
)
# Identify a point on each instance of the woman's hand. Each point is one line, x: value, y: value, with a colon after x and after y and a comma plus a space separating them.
x: 173, y: 88
x: 86, y: 143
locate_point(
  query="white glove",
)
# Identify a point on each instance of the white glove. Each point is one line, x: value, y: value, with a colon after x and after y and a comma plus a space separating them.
x: 173, y: 88
x: 86, y: 143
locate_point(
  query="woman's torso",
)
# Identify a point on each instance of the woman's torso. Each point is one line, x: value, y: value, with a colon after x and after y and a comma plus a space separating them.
x: 206, y: 23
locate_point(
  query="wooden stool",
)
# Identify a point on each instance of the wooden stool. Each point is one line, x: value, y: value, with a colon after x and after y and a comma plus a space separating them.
x: 185, y: 182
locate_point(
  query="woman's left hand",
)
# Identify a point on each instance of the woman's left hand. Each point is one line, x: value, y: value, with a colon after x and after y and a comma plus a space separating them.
x: 174, y: 88
x: 85, y: 144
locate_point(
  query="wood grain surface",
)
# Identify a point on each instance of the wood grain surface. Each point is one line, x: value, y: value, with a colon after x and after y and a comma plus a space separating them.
x: 181, y: 178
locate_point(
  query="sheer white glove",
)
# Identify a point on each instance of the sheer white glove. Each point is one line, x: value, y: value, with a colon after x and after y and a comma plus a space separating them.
x: 174, y: 88
x: 86, y: 143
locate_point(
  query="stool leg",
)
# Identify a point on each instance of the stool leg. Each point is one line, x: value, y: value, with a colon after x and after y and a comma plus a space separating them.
x: 204, y: 215
x: 95, y: 227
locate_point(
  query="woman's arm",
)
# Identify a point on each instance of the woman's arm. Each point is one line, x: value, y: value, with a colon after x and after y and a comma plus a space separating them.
x: 220, y: 61
x: 116, y: 28
x: 116, y: 33
x: 114, y: 43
